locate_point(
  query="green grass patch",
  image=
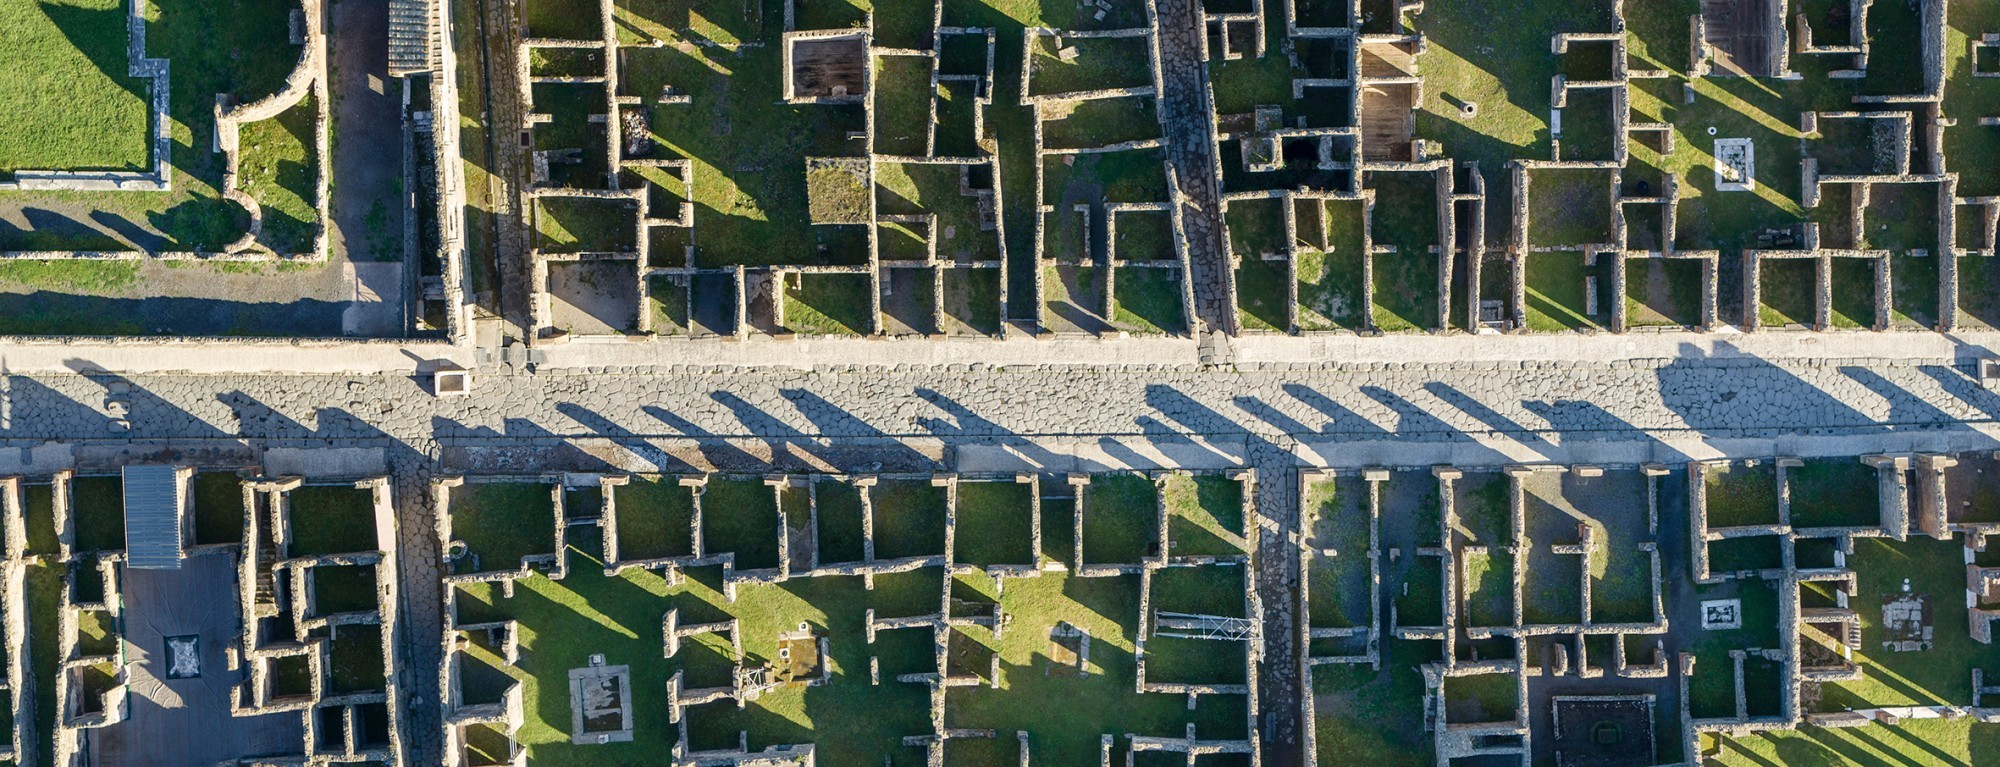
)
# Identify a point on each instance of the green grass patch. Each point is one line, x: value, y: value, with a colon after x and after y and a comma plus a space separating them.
x: 70, y: 104
x: 1204, y: 515
x: 1742, y: 494
x: 331, y: 520
x: 343, y: 589
x: 503, y: 522
x: 1147, y: 300
x: 655, y: 518
x: 909, y: 518
x: 218, y: 507
x: 1834, y: 493
x: 278, y: 166
x: 1481, y: 698
x: 994, y: 521
x: 1120, y: 517
x: 1558, y: 285
x: 740, y: 515
x: 97, y: 513
x: 582, y: 225
x: 828, y: 304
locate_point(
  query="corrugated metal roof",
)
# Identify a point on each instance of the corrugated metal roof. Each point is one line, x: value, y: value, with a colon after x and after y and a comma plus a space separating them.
x: 152, y: 518
x: 412, y: 37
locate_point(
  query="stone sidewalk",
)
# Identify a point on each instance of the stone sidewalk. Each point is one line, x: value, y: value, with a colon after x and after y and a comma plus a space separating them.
x: 161, y: 355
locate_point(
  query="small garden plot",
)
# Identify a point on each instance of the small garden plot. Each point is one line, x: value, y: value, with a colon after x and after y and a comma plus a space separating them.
x: 503, y: 522
x: 39, y: 507
x: 909, y: 518
x: 1419, y: 592
x: 1480, y: 509
x: 1073, y: 298
x: 994, y: 524
x: 1482, y: 698
x: 1563, y: 290
x: 1552, y: 584
x: 740, y: 516
x: 960, y: 197
x: 1262, y: 295
x: 278, y: 166
x: 1406, y: 279
x: 1569, y: 207
x: 357, y: 661
x: 1828, y: 492
x: 838, y: 505
x: 1241, y: 85
x: 1329, y: 265
x: 972, y: 301
x: 1913, y: 291
x: 903, y: 94
x: 1978, y: 288
x: 1406, y: 291
x: 831, y: 14
x: 1786, y: 291
x: 1338, y: 592
x: 1853, y: 292
x: 655, y: 518
x: 565, y: 62
x: 218, y: 507
x: 1204, y: 515
x: 822, y: 303
x: 957, y: 130
x: 903, y: 241
x: 1374, y: 716
x: 1196, y: 661
x: 584, y: 225
x: 1059, y: 64
x: 1856, y: 146
x: 96, y: 634
x: 1130, y: 175
x: 1742, y: 493
x: 1143, y: 235
x: 669, y: 247
x: 903, y: 24
x: 1588, y: 61
x: 343, y: 589
x: 564, y: 19
x: 97, y: 513
x: 909, y: 301
x: 837, y: 190
x: 666, y: 191
x: 330, y: 520
x: 1120, y: 519
x: 576, y: 144
x: 1489, y: 586
x: 1099, y: 122
x: 1147, y: 299
x: 594, y: 297
x: 1590, y: 125
x: 1256, y: 231
x: 1902, y: 218
x: 667, y: 298
x: 1663, y: 292
x: 1734, y: 555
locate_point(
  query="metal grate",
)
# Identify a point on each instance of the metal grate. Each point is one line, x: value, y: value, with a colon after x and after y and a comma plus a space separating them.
x: 153, y: 511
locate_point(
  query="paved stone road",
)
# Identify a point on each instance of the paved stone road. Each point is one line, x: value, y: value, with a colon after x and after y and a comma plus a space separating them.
x: 1270, y: 418
x: 1187, y: 121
